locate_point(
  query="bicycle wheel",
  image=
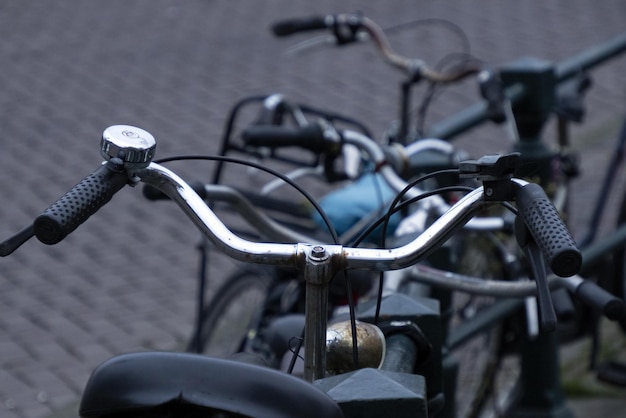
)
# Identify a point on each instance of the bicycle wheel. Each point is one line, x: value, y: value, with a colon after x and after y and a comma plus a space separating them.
x: 618, y: 285
x: 232, y: 315
x: 484, y: 378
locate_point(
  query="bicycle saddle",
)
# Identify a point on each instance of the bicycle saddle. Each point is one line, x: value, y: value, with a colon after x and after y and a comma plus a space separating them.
x: 150, y: 382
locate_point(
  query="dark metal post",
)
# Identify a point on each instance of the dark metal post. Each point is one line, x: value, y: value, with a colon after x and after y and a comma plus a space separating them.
x: 539, y: 82
x: 541, y: 394
x: 541, y: 391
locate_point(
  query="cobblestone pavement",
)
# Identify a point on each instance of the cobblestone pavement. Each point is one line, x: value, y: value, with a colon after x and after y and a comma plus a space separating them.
x: 125, y: 280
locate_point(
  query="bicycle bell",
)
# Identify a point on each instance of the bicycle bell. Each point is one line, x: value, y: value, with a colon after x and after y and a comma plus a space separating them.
x: 134, y: 146
x: 339, y: 353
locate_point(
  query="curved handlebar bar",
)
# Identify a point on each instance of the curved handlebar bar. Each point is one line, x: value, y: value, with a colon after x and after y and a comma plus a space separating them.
x: 89, y: 195
x: 68, y: 212
x: 604, y: 302
x: 346, y: 27
x: 265, y: 225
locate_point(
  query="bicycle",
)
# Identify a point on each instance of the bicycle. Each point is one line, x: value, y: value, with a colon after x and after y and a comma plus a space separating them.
x: 353, y: 24
x: 129, y: 150
x: 148, y: 208
x: 563, y: 96
x: 528, y: 109
x: 346, y: 28
x: 211, y: 319
x: 275, y: 109
x: 529, y: 91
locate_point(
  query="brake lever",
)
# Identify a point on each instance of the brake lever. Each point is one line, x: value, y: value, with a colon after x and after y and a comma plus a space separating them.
x: 346, y: 30
x: 545, y: 307
x: 10, y: 245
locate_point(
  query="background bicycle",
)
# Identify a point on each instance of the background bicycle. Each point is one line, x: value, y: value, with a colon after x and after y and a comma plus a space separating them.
x: 177, y: 76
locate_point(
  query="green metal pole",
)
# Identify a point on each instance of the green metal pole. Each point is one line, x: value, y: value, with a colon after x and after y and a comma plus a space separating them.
x: 538, y: 79
x: 541, y: 394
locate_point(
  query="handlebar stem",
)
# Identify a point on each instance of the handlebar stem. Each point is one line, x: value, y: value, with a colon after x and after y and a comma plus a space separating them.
x: 319, y: 269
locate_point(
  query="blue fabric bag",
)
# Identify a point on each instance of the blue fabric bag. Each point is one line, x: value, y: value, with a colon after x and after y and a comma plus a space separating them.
x: 348, y: 205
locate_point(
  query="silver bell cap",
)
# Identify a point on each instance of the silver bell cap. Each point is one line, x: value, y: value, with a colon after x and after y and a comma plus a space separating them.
x: 134, y: 146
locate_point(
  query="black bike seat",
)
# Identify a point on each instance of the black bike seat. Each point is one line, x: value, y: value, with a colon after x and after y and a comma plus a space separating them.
x: 147, y: 382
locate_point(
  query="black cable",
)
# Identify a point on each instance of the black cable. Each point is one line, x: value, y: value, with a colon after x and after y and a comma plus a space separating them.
x: 357, y: 241
x: 230, y: 123
x: 385, y: 221
x: 295, y: 351
x: 222, y: 158
x: 435, y: 21
x: 395, y: 207
x: 434, y: 89
x: 318, y: 208
x: 332, y: 117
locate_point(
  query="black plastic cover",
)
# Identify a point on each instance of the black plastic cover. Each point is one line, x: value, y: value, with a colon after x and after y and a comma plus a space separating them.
x: 145, y: 382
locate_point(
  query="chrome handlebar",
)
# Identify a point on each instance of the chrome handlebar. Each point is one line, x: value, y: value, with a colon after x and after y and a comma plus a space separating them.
x: 319, y: 263
x: 205, y: 219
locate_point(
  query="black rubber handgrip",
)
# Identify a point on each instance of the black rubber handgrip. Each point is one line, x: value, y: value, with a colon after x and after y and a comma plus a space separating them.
x: 310, y: 137
x: 82, y: 201
x: 611, y: 306
x: 291, y: 26
x: 548, y: 230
